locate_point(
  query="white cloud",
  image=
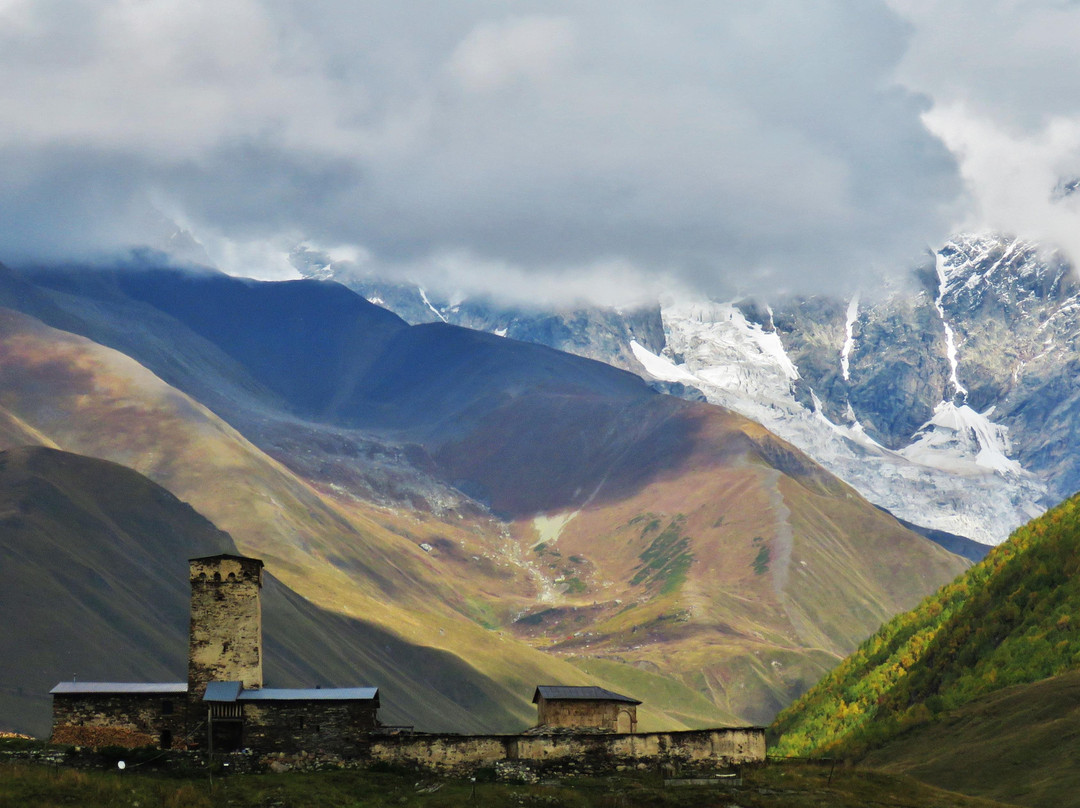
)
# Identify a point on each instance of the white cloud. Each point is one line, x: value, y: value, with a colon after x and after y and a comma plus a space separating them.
x: 614, y: 281
x: 494, y: 54
x: 1012, y: 177
x: 1006, y: 89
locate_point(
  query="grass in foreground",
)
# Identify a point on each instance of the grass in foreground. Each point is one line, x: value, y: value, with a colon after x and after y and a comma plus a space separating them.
x: 774, y: 786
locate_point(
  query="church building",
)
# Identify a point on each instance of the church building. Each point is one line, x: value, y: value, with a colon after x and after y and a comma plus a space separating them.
x: 223, y: 704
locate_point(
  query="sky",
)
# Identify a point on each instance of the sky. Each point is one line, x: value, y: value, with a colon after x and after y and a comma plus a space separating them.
x: 604, y: 150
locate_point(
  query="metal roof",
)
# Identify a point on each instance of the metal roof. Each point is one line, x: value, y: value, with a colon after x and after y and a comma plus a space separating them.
x: 222, y: 691
x: 589, y: 693
x: 234, y: 691
x: 312, y: 694
x: 77, y: 688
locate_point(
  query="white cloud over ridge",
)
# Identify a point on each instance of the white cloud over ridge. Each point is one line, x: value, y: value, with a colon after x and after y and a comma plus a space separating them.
x: 720, y: 146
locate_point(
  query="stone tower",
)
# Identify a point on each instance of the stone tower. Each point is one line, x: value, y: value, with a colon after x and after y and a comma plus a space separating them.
x: 226, y: 623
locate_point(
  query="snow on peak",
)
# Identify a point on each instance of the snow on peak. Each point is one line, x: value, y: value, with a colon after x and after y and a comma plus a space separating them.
x: 660, y: 367
x: 950, y: 340
x: 424, y: 297
x: 957, y: 438
x: 849, y: 338
x: 740, y: 352
x: 957, y: 476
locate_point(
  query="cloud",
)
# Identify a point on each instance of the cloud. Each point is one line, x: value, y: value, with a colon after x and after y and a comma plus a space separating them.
x: 530, y: 49
x: 1015, y: 178
x: 1011, y: 61
x: 1006, y: 93
x: 713, y: 145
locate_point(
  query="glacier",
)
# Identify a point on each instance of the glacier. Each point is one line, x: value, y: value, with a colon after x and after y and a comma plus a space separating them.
x: 955, y: 476
x: 930, y: 402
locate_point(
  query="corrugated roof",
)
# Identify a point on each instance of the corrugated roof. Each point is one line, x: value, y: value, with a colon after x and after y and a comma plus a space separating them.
x: 222, y: 691
x: 69, y: 688
x: 588, y: 693
x: 312, y: 694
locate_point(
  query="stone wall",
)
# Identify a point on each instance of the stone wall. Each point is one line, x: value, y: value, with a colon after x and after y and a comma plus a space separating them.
x: 610, y: 715
x: 225, y: 639
x: 119, y: 719
x: 339, y: 727
x: 459, y: 754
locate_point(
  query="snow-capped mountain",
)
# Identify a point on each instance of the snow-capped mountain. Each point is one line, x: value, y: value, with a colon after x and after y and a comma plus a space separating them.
x: 951, y: 399
x: 955, y: 475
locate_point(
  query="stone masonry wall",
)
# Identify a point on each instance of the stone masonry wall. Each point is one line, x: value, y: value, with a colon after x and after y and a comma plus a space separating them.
x: 225, y: 639
x: 458, y: 754
x: 339, y: 727
x: 118, y: 720
x: 579, y: 713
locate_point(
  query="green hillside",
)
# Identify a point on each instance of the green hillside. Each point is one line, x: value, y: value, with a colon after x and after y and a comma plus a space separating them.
x: 1018, y: 745
x: 1013, y: 619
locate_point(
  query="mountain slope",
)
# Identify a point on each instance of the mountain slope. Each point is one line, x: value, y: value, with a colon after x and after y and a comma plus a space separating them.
x: 375, y: 507
x: 93, y: 582
x: 88, y: 399
x: 1018, y: 745
x: 1009, y: 620
x: 743, y: 567
x: 944, y: 397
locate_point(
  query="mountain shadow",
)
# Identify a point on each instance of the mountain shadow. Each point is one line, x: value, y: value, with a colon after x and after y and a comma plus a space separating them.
x: 94, y: 584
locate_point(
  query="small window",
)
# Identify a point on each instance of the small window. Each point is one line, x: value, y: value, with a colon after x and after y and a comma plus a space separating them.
x: 165, y: 742
x: 166, y: 708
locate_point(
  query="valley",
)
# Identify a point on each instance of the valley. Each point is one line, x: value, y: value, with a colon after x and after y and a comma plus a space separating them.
x: 398, y: 475
x: 533, y: 404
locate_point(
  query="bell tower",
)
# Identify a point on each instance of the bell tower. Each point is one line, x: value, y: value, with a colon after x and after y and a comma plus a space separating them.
x: 225, y: 639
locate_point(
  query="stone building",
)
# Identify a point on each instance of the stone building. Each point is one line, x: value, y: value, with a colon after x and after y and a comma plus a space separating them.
x: 120, y: 713
x: 584, y: 707
x: 223, y: 704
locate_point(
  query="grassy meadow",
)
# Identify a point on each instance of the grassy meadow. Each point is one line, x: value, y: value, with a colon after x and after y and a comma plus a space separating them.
x: 772, y: 786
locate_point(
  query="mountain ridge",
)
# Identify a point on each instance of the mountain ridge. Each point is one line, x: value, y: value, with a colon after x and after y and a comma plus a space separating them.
x: 929, y: 395
x: 559, y: 440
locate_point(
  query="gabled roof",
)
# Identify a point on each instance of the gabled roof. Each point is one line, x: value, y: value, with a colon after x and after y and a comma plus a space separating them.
x: 589, y: 693
x: 234, y: 691
x: 80, y: 688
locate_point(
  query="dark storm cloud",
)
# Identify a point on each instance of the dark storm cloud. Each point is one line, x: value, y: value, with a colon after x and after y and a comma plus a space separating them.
x: 525, y: 143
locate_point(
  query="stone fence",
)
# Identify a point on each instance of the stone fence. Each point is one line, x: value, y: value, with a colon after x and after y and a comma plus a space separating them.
x: 459, y: 754
x: 513, y: 756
